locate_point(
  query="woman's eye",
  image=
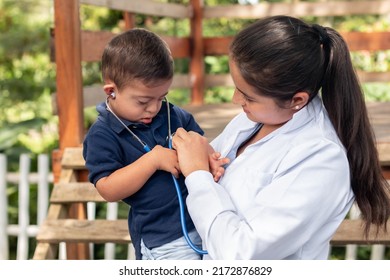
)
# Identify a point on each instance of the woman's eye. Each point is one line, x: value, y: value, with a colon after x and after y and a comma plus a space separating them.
x: 248, y: 99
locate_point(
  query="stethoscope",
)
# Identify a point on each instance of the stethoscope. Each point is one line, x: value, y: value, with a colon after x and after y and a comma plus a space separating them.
x: 176, y: 183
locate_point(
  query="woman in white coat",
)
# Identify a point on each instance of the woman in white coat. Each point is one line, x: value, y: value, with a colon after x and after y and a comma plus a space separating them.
x: 301, y: 152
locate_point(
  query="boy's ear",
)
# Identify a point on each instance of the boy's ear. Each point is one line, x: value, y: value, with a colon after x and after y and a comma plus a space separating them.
x: 109, y: 88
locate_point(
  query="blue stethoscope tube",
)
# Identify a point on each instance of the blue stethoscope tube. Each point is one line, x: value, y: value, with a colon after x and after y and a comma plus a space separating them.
x: 176, y: 183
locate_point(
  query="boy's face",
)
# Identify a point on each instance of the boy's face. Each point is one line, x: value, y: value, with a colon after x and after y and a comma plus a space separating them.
x: 139, y: 103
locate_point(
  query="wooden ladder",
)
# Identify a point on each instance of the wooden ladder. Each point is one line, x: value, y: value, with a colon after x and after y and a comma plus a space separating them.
x: 60, y: 227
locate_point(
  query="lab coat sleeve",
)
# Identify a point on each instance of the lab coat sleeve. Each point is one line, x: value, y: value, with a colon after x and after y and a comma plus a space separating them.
x: 305, y: 199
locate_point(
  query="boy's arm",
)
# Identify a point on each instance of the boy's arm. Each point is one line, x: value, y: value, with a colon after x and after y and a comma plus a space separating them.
x: 130, y: 179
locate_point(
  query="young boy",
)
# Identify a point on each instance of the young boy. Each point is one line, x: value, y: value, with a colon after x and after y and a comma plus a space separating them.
x: 137, y: 70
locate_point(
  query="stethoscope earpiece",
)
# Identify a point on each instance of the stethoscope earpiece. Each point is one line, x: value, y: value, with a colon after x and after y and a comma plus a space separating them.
x: 112, y: 95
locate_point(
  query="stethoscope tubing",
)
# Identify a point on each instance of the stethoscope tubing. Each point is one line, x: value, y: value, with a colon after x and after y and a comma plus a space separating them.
x: 175, y: 182
x: 144, y: 145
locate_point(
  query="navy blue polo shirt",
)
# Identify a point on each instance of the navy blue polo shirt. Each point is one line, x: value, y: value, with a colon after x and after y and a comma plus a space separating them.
x: 154, y: 213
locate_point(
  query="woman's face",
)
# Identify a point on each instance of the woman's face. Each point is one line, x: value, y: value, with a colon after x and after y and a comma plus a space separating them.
x: 260, y: 109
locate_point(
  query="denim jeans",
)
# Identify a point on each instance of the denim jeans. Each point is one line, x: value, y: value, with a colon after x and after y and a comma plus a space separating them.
x: 175, y: 250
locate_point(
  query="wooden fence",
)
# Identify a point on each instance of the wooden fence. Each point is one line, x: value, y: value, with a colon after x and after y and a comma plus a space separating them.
x: 24, y: 230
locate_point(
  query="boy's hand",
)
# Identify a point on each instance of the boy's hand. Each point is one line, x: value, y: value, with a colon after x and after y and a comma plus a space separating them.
x: 166, y: 159
x: 217, y: 165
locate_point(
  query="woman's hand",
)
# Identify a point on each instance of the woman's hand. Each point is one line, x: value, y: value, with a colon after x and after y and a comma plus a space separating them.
x: 192, y: 151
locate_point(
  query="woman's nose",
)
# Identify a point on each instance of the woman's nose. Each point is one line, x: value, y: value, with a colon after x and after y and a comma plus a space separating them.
x: 238, y: 98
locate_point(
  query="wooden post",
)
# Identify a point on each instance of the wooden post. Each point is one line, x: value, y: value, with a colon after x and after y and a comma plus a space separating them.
x: 197, y: 72
x: 69, y: 77
x: 129, y: 19
x: 69, y: 93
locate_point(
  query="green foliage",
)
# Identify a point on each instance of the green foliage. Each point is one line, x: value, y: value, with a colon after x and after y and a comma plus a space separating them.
x: 23, y: 51
x: 27, y: 77
x: 377, y: 91
x: 179, y: 96
x: 216, y: 95
x: 9, y: 133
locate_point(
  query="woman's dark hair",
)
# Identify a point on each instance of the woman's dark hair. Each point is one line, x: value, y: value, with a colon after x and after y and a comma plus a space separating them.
x: 280, y: 56
x: 137, y: 54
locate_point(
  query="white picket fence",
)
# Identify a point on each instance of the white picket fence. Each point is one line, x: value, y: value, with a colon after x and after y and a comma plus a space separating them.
x: 43, y: 178
x: 24, y: 229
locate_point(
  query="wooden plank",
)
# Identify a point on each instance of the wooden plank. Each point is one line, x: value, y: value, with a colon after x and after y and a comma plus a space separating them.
x: 384, y: 153
x: 57, y: 211
x: 94, y: 42
x: 357, y: 41
x: 213, y: 80
x: 145, y: 7
x: 217, y: 45
x: 217, y: 80
x: 94, y: 94
x: 379, y: 113
x: 75, y: 251
x: 372, y: 41
x: 45, y: 251
x: 75, y: 192
x: 181, y: 81
x: 56, y: 157
x: 73, y: 158
x: 370, y: 77
x: 386, y: 172
x: 96, y: 231
x: 180, y: 47
x: 351, y: 232
x: 298, y: 9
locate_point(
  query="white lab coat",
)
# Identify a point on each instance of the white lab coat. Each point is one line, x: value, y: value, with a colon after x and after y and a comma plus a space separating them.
x: 282, y: 198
